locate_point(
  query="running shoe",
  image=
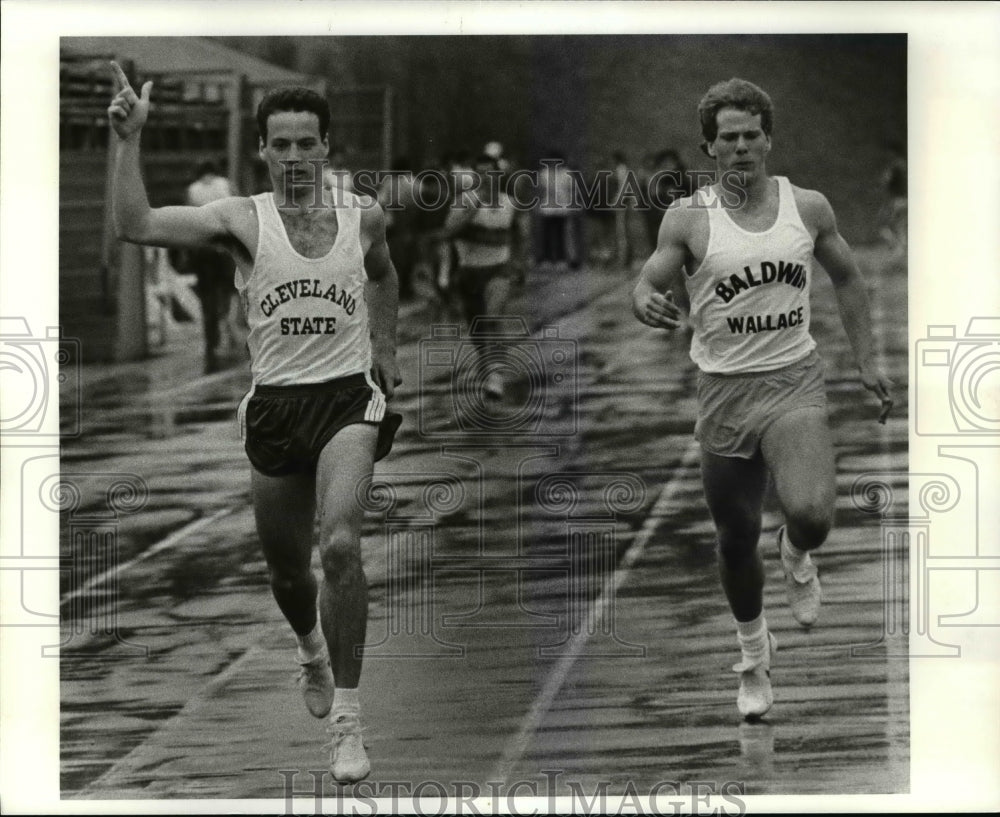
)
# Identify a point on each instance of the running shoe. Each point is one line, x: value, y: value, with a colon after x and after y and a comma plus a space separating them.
x: 803, y: 596
x: 348, y: 760
x: 756, y: 697
x: 316, y: 682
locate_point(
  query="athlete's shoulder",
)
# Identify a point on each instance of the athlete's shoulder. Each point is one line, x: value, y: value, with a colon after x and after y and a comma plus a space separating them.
x: 814, y: 208
x: 235, y: 211
x: 687, y: 202
x: 686, y: 214
x: 372, y: 216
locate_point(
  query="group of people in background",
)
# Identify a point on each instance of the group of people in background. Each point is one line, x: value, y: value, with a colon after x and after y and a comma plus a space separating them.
x: 608, y: 218
x: 223, y: 324
x: 894, y: 216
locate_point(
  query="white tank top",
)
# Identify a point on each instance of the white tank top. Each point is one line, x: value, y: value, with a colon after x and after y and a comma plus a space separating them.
x: 308, y: 318
x: 485, y: 239
x: 750, y: 294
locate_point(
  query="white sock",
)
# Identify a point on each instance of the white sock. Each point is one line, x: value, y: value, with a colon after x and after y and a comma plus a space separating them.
x: 312, y: 645
x: 796, y: 562
x: 345, y: 702
x: 752, y: 636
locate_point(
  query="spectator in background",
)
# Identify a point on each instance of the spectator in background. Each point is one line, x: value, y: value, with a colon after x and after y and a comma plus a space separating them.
x: 461, y: 179
x: 495, y: 151
x: 396, y: 195
x: 619, y: 182
x: 336, y: 175
x: 557, y: 204
x: 895, y: 210
x: 574, y: 222
x: 214, y: 270
x: 601, y: 218
x: 647, y: 174
x: 433, y: 198
x: 508, y: 182
x: 667, y: 182
x: 482, y: 222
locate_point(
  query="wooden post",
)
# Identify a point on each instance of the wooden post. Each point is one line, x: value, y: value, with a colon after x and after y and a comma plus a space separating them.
x: 234, y: 140
x: 387, y: 128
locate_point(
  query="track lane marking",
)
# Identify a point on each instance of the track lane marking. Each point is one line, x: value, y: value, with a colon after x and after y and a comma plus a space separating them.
x: 518, y: 744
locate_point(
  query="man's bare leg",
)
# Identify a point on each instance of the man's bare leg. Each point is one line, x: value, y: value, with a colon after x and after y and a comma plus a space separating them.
x: 798, y: 449
x: 284, y: 508
x: 734, y: 491
x: 346, y: 460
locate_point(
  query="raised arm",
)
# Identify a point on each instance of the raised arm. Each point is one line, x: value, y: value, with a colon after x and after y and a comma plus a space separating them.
x: 134, y: 219
x: 653, y: 299
x: 835, y: 255
x: 382, y: 298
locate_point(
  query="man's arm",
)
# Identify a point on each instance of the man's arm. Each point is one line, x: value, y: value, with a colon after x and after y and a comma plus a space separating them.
x: 652, y: 299
x: 460, y: 214
x: 382, y: 298
x: 134, y: 219
x: 835, y: 255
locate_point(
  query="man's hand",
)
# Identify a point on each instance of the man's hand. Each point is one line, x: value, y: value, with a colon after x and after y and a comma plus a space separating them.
x: 880, y: 385
x: 127, y: 112
x: 385, y: 371
x: 656, y: 310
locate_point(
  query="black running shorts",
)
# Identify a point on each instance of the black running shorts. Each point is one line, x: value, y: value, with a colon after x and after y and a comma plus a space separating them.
x: 471, y: 283
x: 285, y: 428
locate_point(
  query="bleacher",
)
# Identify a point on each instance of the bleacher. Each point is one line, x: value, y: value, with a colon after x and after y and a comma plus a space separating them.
x: 204, y: 97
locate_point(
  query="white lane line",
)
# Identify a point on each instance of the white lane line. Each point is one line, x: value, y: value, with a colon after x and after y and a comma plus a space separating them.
x: 173, y: 539
x: 518, y: 744
x: 129, y: 764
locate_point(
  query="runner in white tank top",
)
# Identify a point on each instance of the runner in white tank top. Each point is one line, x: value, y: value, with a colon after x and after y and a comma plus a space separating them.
x: 307, y: 316
x: 482, y: 221
x: 750, y: 293
x: 321, y: 298
x: 744, y: 250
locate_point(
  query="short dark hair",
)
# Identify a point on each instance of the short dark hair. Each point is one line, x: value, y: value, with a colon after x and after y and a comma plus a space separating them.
x: 292, y: 99
x: 734, y: 93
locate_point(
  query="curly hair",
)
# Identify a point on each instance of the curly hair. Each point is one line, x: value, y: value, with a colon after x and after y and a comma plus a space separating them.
x: 734, y: 93
x: 292, y: 99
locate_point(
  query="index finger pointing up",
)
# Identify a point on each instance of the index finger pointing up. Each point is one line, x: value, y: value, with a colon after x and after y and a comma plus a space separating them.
x: 121, y: 81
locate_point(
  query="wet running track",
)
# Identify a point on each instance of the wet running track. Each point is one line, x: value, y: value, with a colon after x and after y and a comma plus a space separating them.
x: 545, y: 612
